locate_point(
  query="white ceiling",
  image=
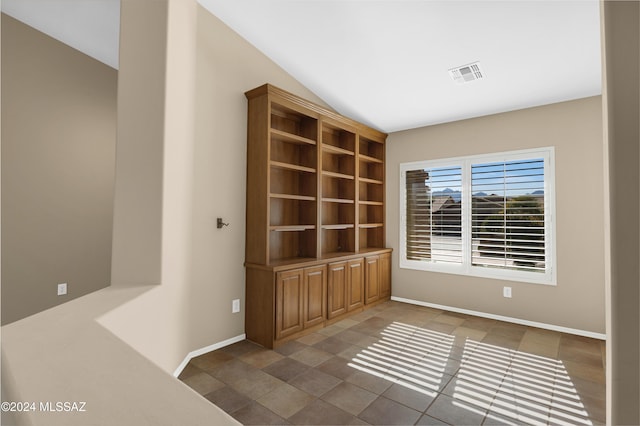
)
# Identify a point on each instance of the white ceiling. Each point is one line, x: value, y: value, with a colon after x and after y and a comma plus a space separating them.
x: 90, y: 26
x: 386, y: 62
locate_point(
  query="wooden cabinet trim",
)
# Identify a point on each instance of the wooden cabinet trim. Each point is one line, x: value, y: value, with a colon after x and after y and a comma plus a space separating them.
x: 289, y: 322
x: 355, y: 284
x: 310, y: 108
x: 314, y: 298
x: 336, y: 289
x: 372, y: 279
x: 305, y: 263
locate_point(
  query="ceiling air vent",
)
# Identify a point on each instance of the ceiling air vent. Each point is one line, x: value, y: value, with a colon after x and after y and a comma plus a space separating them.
x: 466, y: 73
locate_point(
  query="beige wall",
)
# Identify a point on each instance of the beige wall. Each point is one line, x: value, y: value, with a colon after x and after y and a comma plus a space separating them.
x: 226, y: 67
x: 575, y: 130
x: 204, y: 174
x: 58, y: 142
x: 137, y: 214
x: 621, y: 102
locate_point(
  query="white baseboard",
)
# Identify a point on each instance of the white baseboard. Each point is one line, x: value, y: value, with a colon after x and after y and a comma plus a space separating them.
x: 205, y: 350
x: 506, y: 319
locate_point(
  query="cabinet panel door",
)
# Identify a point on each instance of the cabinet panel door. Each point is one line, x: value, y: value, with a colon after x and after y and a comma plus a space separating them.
x: 385, y: 275
x: 372, y: 279
x: 355, y: 284
x: 337, y: 289
x: 289, y: 306
x: 315, y: 295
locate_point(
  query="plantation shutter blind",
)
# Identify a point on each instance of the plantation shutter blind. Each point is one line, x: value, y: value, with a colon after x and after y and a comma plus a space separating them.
x: 434, y: 214
x: 508, y: 217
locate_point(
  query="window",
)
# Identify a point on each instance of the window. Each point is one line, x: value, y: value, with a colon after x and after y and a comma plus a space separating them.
x: 488, y: 215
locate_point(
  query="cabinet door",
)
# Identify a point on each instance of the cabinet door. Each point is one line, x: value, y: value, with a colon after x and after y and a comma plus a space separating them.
x: 315, y: 295
x: 372, y: 279
x: 337, y: 289
x: 355, y: 284
x: 289, y: 306
x: 385, y: 275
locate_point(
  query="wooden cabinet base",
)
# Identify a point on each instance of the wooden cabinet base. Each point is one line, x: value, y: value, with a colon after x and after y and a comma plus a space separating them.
x: 277, y: 343
x: 287, y: 301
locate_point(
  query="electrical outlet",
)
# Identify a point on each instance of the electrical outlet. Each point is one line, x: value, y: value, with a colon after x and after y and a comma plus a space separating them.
x: 62, y: 289
x: 506, y: 292
x: 235, y: 306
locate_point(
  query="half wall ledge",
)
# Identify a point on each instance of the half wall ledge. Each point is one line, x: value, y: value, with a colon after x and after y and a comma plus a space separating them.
x: 63, y: 355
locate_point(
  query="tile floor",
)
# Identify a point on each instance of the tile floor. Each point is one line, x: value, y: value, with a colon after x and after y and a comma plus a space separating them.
x: 403, y: 364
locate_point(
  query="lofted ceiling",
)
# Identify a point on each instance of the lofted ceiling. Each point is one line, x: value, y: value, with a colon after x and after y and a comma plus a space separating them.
x: 90, y: 26
x: 386, y: 62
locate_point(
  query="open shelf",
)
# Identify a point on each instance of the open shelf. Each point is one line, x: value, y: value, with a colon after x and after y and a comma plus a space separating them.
x: 371, y: 150
x: 371, y: 171
x: 333, y: 162
x: 291, y: 138
x: 374, y: 181
x: 292, y: 244
x: 290, y: 123
x: 338, y: 240
x: 371, y: 237
x: 294, y: 181
x: 338, y: 187
x: 294, y: 154
x: 371, y: 192
x: 291, y: 212
x: 324, y: 180
x: 342, y: 214
x: 338, y: 139
x: 370, y: 214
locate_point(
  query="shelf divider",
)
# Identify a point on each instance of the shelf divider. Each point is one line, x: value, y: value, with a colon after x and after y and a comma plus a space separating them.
x: 288, y: 166
x: 337, y: 150
x: 338, y: 200
x: 291, y: 228
x: 367, y: 180
x: 292, y: 197
x: 370, y: 225
x: 368, y: 159
x: 339, y: 226
x: 338, y: 175
x: 290, y: 137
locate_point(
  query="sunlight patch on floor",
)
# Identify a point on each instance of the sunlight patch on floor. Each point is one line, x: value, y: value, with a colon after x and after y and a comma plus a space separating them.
x: 524, y: 387
x: 506, y: 385
x: 409, y: 356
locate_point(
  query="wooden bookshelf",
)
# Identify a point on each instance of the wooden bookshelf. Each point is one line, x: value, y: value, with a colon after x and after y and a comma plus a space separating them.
x: 315, y: 217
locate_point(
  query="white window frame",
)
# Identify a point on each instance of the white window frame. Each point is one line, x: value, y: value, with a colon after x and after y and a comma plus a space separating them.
x: 548, y: 277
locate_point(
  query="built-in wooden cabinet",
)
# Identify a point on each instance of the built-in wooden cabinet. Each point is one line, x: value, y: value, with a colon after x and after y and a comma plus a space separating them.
x: 315, y: 213
x: 289, y: 303
x: 337, y: 289
x: 385, y: 275
x: 315, y: 295
x: 372, y: 279
x: 355, y: 284
x: 346, y: 287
